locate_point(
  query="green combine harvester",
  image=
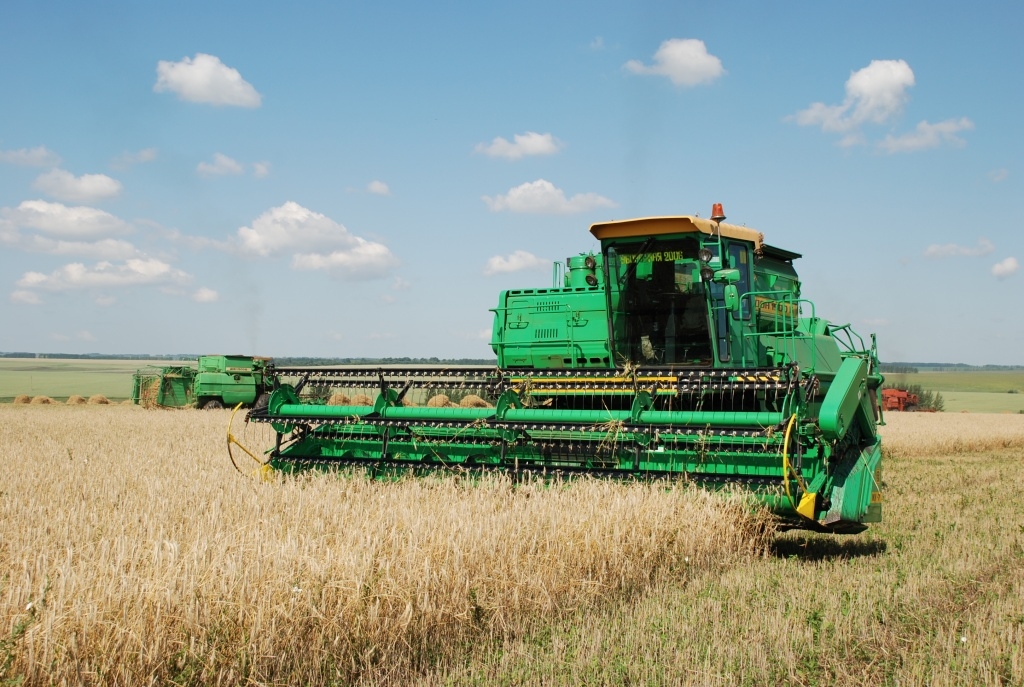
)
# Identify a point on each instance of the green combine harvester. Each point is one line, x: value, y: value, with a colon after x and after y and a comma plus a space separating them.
x: 682, y: 351
x: 215, y: 381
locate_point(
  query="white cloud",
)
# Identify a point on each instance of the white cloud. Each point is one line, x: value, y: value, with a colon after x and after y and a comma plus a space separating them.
x: 543, y: 197
x: 310, y: 237
x: 1004, y: 268
x: 399, y: 284
x: 517, y: 261
x: 61, y: 220
x: 25, y: 297
x: 133, y: 272
x: 365, y: 260
x: 193, y: 243
x: 87, y: 188
x: 290, y: 227
x: 596, y: 44
x: 104, y: 249
x: 874, y: 94
x: 30, y: 157
x: 85, y: 335
x: 205, y: 79
x: 8, y: 232
x: 378, y: 188
x: 953, y: 250
x: 928, y: 135
x: 997, y: 175
x: 205, y: 295
x: 105, y: 300
x: 260, y: 169
x: 221, y: 165
x: 128, y: 159
x: 523, y: 145
x: 685, y: 61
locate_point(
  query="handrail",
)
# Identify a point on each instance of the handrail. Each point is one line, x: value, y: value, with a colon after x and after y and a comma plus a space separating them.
x: 847, y: 341
x: 557, y: 275
x: 784, y: 311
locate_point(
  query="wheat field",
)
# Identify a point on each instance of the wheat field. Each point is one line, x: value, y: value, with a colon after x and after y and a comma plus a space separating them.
x: 131, y: 552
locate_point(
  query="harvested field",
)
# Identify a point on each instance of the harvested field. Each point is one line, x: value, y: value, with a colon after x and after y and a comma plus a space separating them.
x: 132, y: 552
x: 949, y: 434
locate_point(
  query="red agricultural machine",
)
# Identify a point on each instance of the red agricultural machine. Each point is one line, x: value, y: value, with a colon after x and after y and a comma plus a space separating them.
x: 900, y: 400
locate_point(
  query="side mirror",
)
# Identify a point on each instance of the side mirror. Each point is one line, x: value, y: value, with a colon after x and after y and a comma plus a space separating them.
x: 732, y: 298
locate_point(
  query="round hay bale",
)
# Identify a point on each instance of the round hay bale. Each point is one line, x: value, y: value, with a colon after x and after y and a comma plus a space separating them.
x: 22, y: 399
x: 127, y: 402
x: 99, y: 400
x: 439, y: 401
x: 41, y: 401
x: 339, y: 400
x: 408, y: 403
x: 474, y: 401
x: 362, y: 400
x: 76, y: 400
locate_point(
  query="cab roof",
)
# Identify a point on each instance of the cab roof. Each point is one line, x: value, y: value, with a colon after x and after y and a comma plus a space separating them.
x: 676, y: 224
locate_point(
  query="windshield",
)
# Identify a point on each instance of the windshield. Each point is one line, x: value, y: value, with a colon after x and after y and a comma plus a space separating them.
x: 660, y: 314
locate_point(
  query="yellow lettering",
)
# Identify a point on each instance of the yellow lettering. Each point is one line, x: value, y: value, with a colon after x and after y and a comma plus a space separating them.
x: 772, y: 308
x: 654, y: 256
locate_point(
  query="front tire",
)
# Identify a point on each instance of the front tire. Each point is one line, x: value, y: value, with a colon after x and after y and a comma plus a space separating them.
x: 212, y: 404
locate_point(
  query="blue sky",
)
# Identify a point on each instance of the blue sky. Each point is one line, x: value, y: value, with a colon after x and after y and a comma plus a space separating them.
x: 329, y: 180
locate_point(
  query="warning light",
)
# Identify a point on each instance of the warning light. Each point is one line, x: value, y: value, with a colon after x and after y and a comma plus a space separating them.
x: 717, y: 214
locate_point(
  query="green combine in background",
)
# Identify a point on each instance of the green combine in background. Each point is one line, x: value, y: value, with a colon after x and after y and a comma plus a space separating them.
x: 682, y: 350
x: 215, y: 382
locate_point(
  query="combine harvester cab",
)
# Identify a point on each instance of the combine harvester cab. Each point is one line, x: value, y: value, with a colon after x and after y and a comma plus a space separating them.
x: 683, y: 350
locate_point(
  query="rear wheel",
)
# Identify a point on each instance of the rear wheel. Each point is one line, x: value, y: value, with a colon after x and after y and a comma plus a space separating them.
x: 212, y: 404
x: 262, y: 401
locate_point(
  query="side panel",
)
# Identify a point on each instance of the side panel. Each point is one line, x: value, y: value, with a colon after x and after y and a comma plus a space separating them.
x: 856, y: 488
x: 231, y: 389
x: 175, y: 389
x: 551, y: 329
x: 846, y: 396
x: 229, y: 378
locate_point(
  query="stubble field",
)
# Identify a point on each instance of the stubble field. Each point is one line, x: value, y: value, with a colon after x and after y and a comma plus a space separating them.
x: 131, y: 552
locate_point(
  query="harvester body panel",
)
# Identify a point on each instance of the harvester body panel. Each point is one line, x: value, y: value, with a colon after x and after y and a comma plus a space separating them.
x: 229, y: 379
x: 684, y: 350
